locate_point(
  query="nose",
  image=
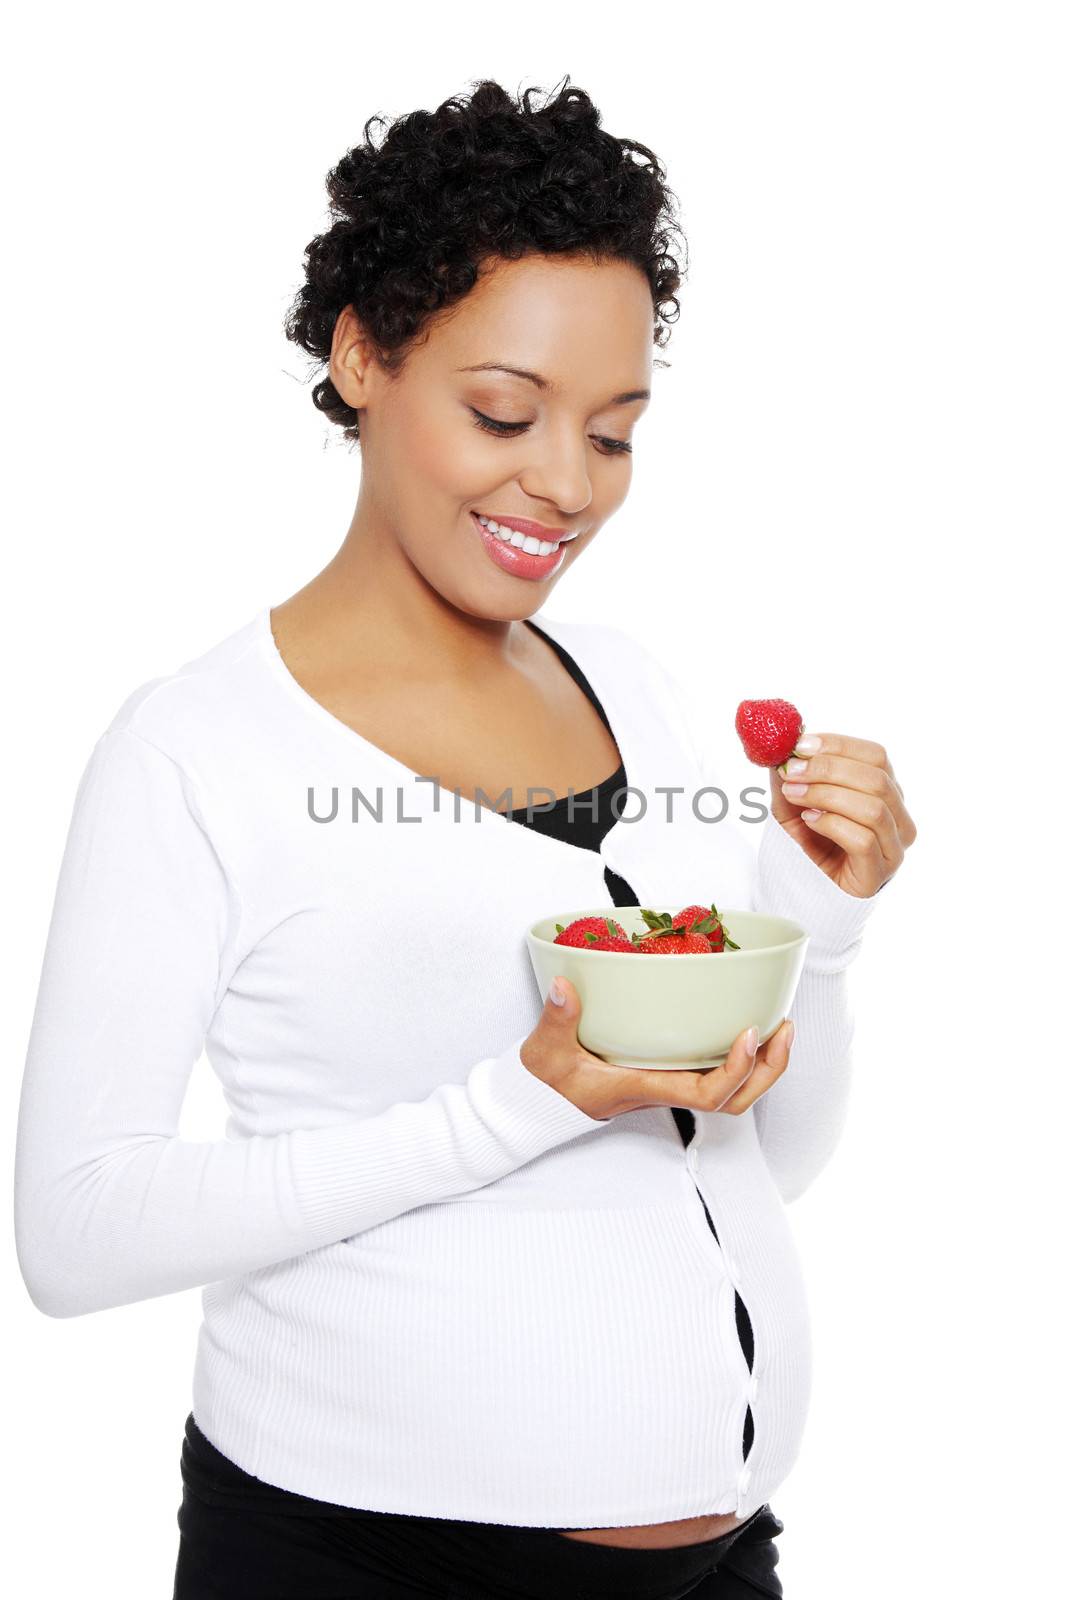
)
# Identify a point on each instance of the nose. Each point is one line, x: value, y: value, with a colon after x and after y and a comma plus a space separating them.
x: 559, y: 472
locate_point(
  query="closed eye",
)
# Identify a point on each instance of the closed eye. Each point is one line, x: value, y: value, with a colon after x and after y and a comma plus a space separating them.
x: 508, y: 430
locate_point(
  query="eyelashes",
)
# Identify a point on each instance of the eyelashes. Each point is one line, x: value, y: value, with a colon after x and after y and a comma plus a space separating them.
x: 509, y: 430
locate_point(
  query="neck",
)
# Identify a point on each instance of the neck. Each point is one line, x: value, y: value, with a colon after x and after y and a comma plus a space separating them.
x: 370, y: 602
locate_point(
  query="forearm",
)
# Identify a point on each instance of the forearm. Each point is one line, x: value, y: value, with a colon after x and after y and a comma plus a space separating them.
x: 111, y: 1204
x: 801, y: 1117
x: 103, y: 1221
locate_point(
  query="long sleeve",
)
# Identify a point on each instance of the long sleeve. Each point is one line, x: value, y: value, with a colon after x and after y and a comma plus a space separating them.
x: 799, y: 1120
x: 801, y: 1117
x: 111, y: 1205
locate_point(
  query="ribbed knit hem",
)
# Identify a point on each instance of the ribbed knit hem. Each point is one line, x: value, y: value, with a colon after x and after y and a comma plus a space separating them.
x: 354, y: 1175
x: 524, y: 1108
x: 789, y: 884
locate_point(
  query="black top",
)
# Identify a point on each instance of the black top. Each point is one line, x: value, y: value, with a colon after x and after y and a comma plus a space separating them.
x: 584, y: 818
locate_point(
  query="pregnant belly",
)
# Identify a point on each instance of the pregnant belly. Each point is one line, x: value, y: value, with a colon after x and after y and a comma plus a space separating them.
x: 659, y: 1535
x: 570, y: 1366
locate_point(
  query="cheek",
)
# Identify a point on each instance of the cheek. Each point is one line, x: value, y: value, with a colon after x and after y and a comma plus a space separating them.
x: 611, y: 485
x: 439, y: 453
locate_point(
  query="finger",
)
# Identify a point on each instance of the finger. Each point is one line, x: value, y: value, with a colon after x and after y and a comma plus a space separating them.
x: 846, y: 773
x: 872, y: 813
x: 865, y: 776
x: 844, y: 744
x: 772, y: 1059
x: 694, y: 1091
x: 868, y: 867
x: 907, y: 832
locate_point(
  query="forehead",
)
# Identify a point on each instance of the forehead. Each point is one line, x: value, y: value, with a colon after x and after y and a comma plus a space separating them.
x: 575, y: 321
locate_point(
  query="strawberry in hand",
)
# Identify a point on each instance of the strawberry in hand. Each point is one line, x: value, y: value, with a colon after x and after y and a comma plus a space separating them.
x: 854, y: 825
x: 768, y: 730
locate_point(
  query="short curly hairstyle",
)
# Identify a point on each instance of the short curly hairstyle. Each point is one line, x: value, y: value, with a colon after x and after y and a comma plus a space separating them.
x: 485, y: 175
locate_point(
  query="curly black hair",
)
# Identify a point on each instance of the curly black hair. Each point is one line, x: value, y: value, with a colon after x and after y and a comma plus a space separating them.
x: 483, y: 175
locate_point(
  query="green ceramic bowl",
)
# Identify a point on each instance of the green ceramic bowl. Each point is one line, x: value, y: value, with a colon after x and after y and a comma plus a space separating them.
x: 674, y: 1012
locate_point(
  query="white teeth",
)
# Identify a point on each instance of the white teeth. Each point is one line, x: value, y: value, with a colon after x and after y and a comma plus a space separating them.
x: 523, y: 541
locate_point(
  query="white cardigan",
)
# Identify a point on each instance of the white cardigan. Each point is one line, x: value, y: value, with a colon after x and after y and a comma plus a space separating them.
x: 430, y: 1283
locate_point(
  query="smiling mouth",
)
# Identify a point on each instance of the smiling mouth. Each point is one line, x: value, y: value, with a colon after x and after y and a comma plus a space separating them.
x: 519, y: 540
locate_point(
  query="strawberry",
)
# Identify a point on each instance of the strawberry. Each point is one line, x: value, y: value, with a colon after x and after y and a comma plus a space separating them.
x: 663, y: 938
x: 698, y: 930
x: 769, y: 730
x: 620, y: 943
x: 706, y: 920
x: 585, y: 931
x: 675, y: 944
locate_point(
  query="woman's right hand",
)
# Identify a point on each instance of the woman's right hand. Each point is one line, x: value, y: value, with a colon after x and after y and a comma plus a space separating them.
x: 603, y: 1090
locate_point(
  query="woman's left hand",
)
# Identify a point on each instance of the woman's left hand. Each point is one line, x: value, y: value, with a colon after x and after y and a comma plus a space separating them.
x: 862, y: 829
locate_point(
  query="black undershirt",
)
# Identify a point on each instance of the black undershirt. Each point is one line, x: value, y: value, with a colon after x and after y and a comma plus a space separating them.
x: 591, y: 820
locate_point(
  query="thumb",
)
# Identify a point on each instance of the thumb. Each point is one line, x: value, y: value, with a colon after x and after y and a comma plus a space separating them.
x: 782, y: 808
x: 562, y: 1007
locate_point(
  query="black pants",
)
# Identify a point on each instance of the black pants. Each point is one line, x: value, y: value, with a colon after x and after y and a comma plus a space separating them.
x: 247, y: 1540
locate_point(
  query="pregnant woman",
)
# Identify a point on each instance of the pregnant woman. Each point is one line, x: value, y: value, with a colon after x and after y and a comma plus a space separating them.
x: 483, y: 1315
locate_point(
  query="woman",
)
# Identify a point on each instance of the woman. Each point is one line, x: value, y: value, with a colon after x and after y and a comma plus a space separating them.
x: 483, y: 1314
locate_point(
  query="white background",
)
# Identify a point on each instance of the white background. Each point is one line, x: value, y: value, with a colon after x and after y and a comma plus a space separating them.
x: 848, y: 490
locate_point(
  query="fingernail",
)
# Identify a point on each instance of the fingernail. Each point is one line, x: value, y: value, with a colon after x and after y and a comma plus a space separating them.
x: 808, y: 745
x: 794, y: 768
x: 555, y: 994
x: 752, y: 1041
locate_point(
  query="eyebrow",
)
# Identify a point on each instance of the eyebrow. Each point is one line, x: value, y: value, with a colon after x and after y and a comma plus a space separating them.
x: 623, y: 399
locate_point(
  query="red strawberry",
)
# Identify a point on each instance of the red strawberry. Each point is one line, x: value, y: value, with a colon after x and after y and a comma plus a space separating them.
x: 675, y: 944
x: 664, y: 938
x: 613, y: 944
x: 703, y: 914
x: 706, y: 920
x: 769, y: 730
x: 583, y: 931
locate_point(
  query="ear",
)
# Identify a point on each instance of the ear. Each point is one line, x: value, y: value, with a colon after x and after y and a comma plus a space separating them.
x: 351, y: 359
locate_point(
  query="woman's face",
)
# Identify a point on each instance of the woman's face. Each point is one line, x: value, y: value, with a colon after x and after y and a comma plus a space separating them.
x: 454, y: 435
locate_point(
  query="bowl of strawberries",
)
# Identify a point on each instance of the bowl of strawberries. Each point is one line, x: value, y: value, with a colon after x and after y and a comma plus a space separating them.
x: 670, y: 988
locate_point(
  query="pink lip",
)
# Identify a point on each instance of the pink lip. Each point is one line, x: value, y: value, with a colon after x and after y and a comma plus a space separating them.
x: 517, y: 562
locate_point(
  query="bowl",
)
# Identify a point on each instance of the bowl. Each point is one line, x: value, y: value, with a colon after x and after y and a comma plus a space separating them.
x: 673, y: 1012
